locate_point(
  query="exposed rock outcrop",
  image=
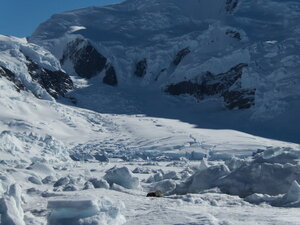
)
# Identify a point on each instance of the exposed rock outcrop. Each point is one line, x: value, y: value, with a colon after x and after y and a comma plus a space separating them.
x: 180, y: 55
x: 87, y: 61
x: 234, y: 34
x: 12, y: 78
x: 56, y: 83
x: 231, y: 5
x: 240, y: 99
x: 141, y: 68
x: 225, y: 84
x: 110, y: 77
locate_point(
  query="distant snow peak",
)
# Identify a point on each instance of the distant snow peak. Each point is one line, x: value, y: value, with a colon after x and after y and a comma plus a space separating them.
x: 76, y: 28
x: 231, y: 5
x: 84, y: 57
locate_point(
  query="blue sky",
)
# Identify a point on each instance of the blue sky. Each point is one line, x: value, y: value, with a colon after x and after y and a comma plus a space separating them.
x: 21, y: 17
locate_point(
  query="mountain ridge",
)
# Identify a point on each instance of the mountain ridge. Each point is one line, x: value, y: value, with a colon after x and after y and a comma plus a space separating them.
x: 189, y: 52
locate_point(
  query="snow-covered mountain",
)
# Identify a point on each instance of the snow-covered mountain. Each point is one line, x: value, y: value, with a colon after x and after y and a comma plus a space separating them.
x: 150, y: 98
x: 239, y: 54
x: 32, y: 68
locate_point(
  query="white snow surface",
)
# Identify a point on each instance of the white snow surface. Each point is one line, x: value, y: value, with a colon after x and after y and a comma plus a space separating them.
x: 85, y: 212
x: 123, y: 177
x: 138, y: 127
x: 37, y: 137
x: 11, y: 210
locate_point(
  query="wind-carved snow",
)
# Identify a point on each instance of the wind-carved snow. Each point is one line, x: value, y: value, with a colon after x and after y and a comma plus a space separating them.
x: 85, y: 212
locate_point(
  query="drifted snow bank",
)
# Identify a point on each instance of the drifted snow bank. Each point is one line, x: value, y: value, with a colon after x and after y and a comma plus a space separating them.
x: 293, y: 195
x: 290, y: 199
x: 85, y: 212
x: 202, y: 180
x: 264, y: 178
x: 165, y: 186
x: 123, y: 177
x: 11, y: 212
x: 272, y: 176
x: 271, y: 172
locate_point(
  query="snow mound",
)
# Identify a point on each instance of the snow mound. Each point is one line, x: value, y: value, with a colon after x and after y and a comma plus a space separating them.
x: 98, y: 183
x: 85, y: 212
x: 158, y: 176
x: 165, y: 186
x: 292, y: 197
x: 42, y: 168
x: 10, y: 207
x: 263, y: 178
x: 267, y: 174
x: 123, y: 177
x: 203, y: 164
x: 202, y: 180
x: 5, y: 182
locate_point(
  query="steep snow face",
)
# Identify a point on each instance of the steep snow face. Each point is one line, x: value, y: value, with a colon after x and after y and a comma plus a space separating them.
x: 32, y: 68
x: 143, y: 17
x: 160, y: 43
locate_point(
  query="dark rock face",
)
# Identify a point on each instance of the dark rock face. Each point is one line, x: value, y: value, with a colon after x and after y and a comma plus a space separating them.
x: 56, y: 83
x: 180, y: 55
x: 88, y: 62
x: 12, y: 78
x: 141, y: 68
x: 110, y: 77
x: 241, y: 99
x: 185, y: 87
x: 234, y: 34
x: 231, y: 5
x: 225, y: 84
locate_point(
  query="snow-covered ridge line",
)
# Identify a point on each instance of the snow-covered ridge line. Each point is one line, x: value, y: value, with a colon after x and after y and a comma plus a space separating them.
x: 32, y: 68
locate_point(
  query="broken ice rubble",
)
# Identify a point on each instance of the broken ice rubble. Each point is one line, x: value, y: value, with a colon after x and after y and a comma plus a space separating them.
x: 85, y: 212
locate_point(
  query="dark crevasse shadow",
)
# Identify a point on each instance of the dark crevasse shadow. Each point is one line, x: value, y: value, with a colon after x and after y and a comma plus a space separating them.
x: 208, y: 114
